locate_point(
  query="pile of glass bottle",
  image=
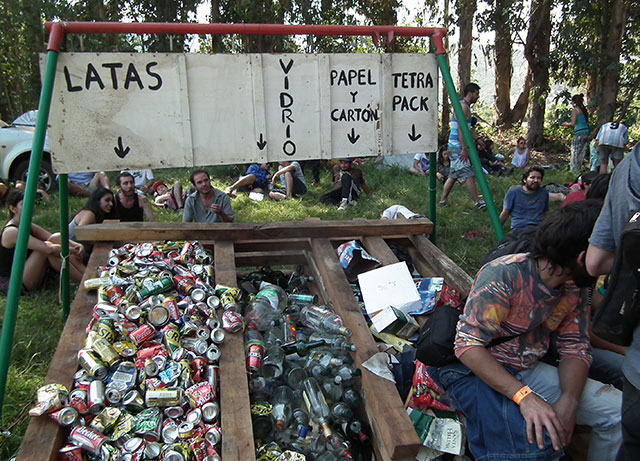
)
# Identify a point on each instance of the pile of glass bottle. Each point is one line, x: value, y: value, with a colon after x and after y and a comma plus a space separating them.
x: 303, y: 387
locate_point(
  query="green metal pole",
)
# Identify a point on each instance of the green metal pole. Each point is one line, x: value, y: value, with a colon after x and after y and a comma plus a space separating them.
x: 433, y: 167
x: 64, y: 244
x: 15, y: 285
x: 471, y: 148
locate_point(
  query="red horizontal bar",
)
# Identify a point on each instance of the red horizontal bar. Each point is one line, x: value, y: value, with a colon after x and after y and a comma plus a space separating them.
x: 245, y: 29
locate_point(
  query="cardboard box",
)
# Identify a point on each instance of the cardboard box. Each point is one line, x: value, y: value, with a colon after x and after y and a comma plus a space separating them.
x: 390, y: 285
x: 394, y: 321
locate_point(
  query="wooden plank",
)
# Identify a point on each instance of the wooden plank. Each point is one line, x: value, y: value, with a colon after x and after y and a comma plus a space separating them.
x: 442, y: 264
x: 242, y: 246
x: 266, y: 258
x: 378, y: 248
x: 152, y: 231
x: 44, y: 437
x: 392, y: 429
x: 237, y: 436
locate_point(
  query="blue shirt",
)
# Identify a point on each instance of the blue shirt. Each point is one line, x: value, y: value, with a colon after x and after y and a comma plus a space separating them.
x: 581, y: 124
x: 260, y: 174
x: 526, y: 209
x: 454, y: 141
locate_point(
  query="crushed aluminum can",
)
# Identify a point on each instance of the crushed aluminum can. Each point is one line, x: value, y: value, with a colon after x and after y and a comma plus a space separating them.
x: 124, y: 377
x: 185, y: 430
x: 96, y: 397
x: 87, y: 439
x: 151, y: 368
x: 50, y: 397
x: 95, y: 367
x: 133, y: 312
x: 158, y: 316
x: 142, y: 334
x: 133, y: 401
x: 105, y: 420
x: 124, y: 427
x: 213, y: 435
x: 203, y: 332
x: 78, y: 400
x: 163, y: 397
x: 212, y: 354
x: 213, y: 323
x: 218, y: 335
x: 152, y: 450
x: 173, y: 412
x: 197, y: 295
x: 148, y: 424
x: 194, y: 417
x: 70, y: 452
x: 213, y: 302
x: 210, y: 412
x: 232, y: 321
x: 199, y: 394
x: 125, y: 348
x: 133, y: 444
x: 169, y: 431
x: 113, y: 395
x: 67, y: 416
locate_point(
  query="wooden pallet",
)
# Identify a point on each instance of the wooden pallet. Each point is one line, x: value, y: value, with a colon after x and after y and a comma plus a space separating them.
x: 311, y: 243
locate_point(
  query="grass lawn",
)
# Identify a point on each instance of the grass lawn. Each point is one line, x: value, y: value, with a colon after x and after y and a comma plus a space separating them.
x: 40, y: 321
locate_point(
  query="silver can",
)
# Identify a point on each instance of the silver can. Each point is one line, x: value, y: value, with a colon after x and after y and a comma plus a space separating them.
x: 96, y: 398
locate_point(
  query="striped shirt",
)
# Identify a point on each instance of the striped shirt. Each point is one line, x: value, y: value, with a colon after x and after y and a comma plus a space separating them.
x: 612, y: 134
x: 454, y: 141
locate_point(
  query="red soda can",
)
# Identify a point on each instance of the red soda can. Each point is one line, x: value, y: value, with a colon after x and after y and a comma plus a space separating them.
x: 172, y: 305
x: 199, y: 394
x: 142, y: 334
x: 213, y: 435
x: 125, y: 327
x: 114, y: 293
x: 198, y: 366
x: 198, y: 448
x: 87, y: 439
x: 232, y: 321
x: 183, y: 284
x: 154, y: 383
x: 78, y: 400
x: 70, y: 453
x: 151, y: 352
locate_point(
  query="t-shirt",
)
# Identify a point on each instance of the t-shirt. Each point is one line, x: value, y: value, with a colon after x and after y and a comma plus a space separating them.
x: 195, y: 211
x: 260, y: 174
x: 526, y: 209
x: 575, y: 196
x: 140, y: 177
x: 297, y: 174
x: 612, y: 134
x: 423, y: 161
x: 508, y: 298
x: 581, y: 124
x: 356, y: 175
x: 393, y: 210
x: 623, y: 198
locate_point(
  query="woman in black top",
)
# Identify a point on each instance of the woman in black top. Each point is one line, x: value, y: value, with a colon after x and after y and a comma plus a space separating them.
x: 43, y: 250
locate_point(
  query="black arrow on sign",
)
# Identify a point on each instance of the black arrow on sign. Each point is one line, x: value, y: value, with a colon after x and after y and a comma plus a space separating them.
x: 413, y: 136
x: 262, y: 143
x: 120, y: 150
x: 353, y: 137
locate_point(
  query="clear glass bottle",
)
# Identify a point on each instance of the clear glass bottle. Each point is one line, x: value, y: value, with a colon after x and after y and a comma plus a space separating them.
x: 276, y: 296
x: 273, y: 364
x: 317, y: 405
x: 322, y: 319
x: 299, y: 410
x: 282, y: 401
x: 340, y: 412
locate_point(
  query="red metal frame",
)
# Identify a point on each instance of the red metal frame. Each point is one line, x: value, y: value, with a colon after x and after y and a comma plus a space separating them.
x: 58, y: 29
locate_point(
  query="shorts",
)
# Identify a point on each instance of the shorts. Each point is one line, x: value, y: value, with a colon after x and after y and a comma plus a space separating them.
x: 458, y: 168
x: 610, y: 151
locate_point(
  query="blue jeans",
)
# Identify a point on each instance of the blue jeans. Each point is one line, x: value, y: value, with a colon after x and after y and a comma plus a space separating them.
x: 606, y: 367
x: 496, y: 429
x: 630, y: 449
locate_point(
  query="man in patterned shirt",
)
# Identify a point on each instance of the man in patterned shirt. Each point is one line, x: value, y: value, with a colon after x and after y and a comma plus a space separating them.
x: 516, y: 406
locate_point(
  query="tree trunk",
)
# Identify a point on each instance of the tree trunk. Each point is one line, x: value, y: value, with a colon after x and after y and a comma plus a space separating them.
x: 503, y: 68
x: 537, y: 54
x: 466, y: 10
x: 216, y: 39
x: 612, y: 44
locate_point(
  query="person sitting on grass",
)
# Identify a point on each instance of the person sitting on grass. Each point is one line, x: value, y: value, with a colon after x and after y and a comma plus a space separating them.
x: 443, y: 164
x: 100, y: 206
x: 527, y: 203
x: 399, y: 212
x: 171, y: 199
x: 347, y: 182
x: 489, y: 161
x: 82, y: 184
x: 43, y: 250
x: 255, y: 179
x: 291, y: 180
x: 520, y: 154
x: 206, y: 203
x: 420, y: 165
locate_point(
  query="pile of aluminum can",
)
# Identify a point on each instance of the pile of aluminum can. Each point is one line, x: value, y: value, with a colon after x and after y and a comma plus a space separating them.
x: 148, y: 383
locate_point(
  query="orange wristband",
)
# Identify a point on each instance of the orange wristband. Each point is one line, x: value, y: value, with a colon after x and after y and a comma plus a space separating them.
x: 521, y: 394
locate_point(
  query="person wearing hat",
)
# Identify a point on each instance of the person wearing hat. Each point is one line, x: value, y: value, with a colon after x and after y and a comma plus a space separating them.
x: 163, y: 197
x: 347, y: 183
